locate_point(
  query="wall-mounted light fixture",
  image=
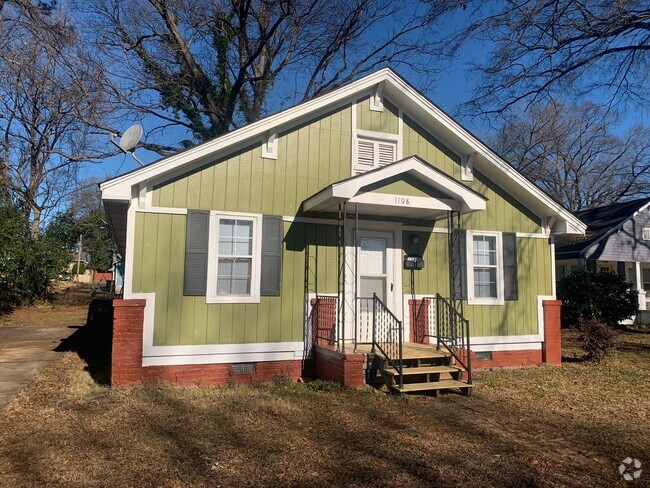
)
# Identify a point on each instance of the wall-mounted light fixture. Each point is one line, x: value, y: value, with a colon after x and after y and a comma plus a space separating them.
x: 415, y: 239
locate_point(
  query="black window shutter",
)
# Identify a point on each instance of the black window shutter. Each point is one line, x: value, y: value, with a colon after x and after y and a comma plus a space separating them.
x: 460, y: 279
x: 271, y: 266
x: 511, y: 285
x: 196, y: 253
x: 620, y: 268
x: 592, y: 265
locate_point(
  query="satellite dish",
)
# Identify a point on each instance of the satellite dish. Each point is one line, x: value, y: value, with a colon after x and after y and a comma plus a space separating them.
x: 128, y: 141
x: 130, y: 138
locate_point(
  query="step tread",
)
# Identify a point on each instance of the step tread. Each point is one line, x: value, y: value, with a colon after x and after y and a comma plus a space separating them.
x: 424, y: 370
x: 434, y: 385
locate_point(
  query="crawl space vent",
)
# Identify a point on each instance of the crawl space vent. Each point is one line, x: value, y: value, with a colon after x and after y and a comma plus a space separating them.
x: 483, y: 356
x: 243, y: 368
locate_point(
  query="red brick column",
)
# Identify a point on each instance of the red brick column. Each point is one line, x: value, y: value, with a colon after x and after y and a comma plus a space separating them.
x: 552, y: 349
x: 419, y: 322
x: 331, y: 365
x: 126, y: 360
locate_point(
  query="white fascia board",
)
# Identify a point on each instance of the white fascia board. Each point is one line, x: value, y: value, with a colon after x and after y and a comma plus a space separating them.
x: 487, y: 154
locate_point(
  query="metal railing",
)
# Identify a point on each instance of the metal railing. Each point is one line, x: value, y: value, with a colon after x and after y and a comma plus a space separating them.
x: 387, y: 335
x: 451, y: 331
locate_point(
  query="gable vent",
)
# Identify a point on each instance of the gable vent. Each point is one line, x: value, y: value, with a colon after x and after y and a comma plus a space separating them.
x: 373, y: 153
x: 386, y: 153
x: 365, y: 155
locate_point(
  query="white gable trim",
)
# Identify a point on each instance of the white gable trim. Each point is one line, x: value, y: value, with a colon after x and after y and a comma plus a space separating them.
x: 393, y: 85
x: 348, y: 189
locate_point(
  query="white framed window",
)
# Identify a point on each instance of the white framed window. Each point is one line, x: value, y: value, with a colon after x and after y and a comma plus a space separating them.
x: 373, y: 151
x: 234, y: 255
x: 645, y: 233
x: 485, y: 285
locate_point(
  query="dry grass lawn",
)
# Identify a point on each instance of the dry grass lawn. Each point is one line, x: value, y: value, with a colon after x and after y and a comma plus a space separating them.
x: 537, y: 427
x: 68, y: 306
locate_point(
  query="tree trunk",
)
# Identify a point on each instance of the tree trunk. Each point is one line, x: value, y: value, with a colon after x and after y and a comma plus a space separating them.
x: 36, y: 223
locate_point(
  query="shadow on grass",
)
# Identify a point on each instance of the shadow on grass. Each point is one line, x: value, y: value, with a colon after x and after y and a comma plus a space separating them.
x: 92, y: 341
x: 575, y: 359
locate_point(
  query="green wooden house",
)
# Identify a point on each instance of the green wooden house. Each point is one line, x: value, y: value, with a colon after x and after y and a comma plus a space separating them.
x: 362, y: 229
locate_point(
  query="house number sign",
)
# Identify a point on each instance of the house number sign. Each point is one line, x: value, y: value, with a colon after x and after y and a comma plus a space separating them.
x: 402, y: 201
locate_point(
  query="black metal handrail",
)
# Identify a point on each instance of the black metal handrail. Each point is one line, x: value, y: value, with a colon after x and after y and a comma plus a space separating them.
x: 451, y: 330
x: 387, y: 335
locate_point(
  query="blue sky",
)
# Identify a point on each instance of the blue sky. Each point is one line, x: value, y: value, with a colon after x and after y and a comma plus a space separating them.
x: 452, y: 87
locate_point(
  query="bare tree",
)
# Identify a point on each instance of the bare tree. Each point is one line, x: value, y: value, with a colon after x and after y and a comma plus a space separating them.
x: 551, y: 47
x: 572, y: 153
x: 48, y: 93
x: 208, y: 66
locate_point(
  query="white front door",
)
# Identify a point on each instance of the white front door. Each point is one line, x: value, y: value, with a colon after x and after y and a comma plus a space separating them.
x: 376, y: 275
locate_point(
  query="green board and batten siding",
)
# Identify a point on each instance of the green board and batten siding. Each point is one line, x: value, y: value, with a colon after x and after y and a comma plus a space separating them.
x: 310, y: 157
x: 158, y: 267
x: 513, y: 317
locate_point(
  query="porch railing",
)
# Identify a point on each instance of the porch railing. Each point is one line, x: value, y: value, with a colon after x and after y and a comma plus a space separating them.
x: 387, y: 335
x: 451, y: 330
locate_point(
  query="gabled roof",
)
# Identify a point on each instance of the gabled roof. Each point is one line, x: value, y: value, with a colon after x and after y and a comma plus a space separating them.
x: 601, y: 222
x: 400, y: 93
x: 455, y: 195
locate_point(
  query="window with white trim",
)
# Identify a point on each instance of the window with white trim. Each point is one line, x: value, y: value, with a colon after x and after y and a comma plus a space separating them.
x: 485, y: 276
x: 645, y: 233
x: 234, y: 259
x: 373, y: 153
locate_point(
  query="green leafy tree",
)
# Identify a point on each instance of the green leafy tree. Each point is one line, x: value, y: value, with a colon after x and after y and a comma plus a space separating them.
x: 603, y: 296
x: 97, y: 239
x: 28, y: 265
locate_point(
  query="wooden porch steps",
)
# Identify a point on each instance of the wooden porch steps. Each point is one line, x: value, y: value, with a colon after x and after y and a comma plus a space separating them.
x: 424, y: 370
x: 431, y: 386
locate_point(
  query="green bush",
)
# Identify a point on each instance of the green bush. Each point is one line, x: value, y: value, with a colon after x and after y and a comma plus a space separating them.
x: 598, y: 339
x: 588, y: 295
x: 27, y: 265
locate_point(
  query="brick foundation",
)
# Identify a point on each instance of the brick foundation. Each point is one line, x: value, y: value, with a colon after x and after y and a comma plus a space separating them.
x: 126, y: 358
x: 552, y: 348
x: 505, y: 359
x: 346, y: 369
x: 222, y: 374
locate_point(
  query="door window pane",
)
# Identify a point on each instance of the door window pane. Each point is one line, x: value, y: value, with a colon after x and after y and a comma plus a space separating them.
x: 370, y: 285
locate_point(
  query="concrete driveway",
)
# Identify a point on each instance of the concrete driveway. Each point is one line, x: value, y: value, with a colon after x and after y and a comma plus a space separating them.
x: 24, y: 352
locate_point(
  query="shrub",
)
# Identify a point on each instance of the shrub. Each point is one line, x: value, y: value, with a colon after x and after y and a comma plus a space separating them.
x: 598, y: 339
x: 588, y: 295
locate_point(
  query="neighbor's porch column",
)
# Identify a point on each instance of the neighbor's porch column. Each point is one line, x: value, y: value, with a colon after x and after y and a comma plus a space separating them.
x: 639, y: 285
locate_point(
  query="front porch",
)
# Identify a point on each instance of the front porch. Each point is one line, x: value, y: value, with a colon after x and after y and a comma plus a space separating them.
x: 439, y: 360
x: 376, y: 311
